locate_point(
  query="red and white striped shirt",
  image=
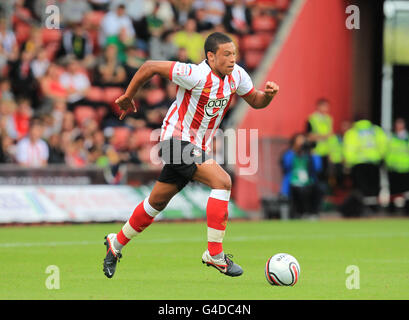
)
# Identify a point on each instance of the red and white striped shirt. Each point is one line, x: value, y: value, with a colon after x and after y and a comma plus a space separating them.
x: 202, y: 100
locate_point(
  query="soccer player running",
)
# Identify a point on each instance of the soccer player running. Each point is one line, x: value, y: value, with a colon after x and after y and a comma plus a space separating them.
x: 204, y: 93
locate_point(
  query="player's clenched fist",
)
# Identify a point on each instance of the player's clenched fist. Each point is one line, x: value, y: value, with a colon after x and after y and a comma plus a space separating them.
x: 125, y: 103
x: 271, y: 88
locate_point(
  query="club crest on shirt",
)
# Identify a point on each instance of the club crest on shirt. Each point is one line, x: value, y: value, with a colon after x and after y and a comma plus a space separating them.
x: 232, y: 86
x: 213, y: 107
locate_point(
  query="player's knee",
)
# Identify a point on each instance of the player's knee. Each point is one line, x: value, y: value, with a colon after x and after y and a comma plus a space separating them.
x: 158, y: 203
x: 222, y: 182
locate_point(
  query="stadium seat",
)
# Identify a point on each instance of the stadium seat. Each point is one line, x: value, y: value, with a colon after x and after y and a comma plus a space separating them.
x: 156, y: 81
x: 50, y: 35
x: 155, y: 96
x: 141, y: 137
x: 95, y: 94
x: 22, y: 32
x: 282, y: 4
x: 253, y: 58
x: 52, y: 49
x: 83, y: 113
x: 264, y: 23
x: 112, y: 93
x: 254, y: 42
x: 93, y: 19
x: 94, y: 38
x: 120, y: 138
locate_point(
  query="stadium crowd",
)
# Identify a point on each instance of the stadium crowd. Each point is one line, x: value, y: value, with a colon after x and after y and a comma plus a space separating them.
x: 58, y: 86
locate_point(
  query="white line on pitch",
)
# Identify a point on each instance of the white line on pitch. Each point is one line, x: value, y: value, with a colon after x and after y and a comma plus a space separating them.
x: 200, y: 239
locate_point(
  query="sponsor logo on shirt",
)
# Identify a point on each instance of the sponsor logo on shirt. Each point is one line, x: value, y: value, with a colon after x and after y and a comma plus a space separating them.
x: 183, y: 70
x: 213, y: 107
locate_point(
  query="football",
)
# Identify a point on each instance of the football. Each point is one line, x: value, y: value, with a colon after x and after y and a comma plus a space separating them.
x: 282, y: 269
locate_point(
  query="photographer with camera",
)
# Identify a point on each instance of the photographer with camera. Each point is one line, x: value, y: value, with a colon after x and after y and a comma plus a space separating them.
x: 300, y: 177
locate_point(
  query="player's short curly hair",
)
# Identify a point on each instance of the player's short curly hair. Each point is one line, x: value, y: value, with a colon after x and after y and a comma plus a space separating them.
x: 213, y: 40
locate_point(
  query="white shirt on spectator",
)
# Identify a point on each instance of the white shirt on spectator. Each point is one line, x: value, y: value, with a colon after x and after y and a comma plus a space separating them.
x: 135, y: 9
x: 211, y: 7
x: 78, y: 81
x: 32, y: 154
x: 8, y: 41
x: 112, y: 25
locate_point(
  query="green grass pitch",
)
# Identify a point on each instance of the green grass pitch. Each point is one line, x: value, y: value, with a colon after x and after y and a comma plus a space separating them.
x: 164, y: 262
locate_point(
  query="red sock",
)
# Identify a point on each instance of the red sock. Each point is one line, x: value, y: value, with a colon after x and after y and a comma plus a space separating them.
x: 217, y: 215
x: 141, y: 218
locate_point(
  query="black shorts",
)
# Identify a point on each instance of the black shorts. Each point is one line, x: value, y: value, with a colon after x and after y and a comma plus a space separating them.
x: 180, y: 159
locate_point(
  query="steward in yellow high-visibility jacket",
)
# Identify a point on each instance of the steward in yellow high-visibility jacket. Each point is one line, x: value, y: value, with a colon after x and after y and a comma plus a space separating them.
x: 364, y: 143
x: 319, y: 129
x: 397, y: 162
x: 364, y: 148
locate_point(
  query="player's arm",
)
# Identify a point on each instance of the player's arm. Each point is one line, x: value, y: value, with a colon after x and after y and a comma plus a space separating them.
x: 258, y: 99
x: 144, y: 74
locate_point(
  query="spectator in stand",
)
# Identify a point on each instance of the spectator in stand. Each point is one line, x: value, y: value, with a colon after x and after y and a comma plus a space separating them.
x: 135, y: 9
x: 8, y: 43
x: 22, y: 117
x: 300, y: 169
x: 155, y: 24
x: 191, y: 40
x: 77, y: 44
x: 69, y: 130
x: 162, y: 47
x: 32, y: 151
x: 135, y: 57
x: 73, y: 11
x: 182, y: 10
x: 163, y: 11
x: 237, y: 18
x: 51, y: 86
x: 3, y: 62
x: 34, y: 43
x: 100, y: 5
x: 56, y: 154
x: 115, y: 22
x: 88, y: 129
x: 76, y: 155
x: 7, y: 110
x: 22, y: 18
x: 75, y: 80
x: 23, y: 80
x: 40, y: 64
x: 109, y: 72
x: 77, y: 84
x: 5, y: 90
x: 7, y: 149
x: 182, y: 56
x: 59, y: 108
x: 202, y: 23
x: 215, y: 10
